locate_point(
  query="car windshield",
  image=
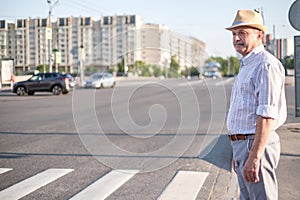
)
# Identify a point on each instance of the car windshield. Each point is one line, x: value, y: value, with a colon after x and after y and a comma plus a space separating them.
x: 35, y: 78
x: 68, y: 76
x: 97, y: 76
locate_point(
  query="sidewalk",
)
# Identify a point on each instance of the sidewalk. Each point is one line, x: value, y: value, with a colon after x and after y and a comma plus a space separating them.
x: 289, y: 164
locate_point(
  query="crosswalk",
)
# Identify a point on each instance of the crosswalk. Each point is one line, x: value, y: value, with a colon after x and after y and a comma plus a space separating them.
x: 184, y: 184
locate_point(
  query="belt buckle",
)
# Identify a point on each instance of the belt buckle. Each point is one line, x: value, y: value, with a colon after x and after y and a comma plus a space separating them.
x: 235, y: 137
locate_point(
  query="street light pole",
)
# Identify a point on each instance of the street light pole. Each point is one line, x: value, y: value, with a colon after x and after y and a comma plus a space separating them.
x: 50, y: 29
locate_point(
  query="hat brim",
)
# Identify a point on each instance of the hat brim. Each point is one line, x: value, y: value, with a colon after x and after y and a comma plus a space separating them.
x: 256, y: 26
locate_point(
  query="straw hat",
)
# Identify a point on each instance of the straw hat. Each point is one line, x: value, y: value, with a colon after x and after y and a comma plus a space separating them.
x: 248, y: 18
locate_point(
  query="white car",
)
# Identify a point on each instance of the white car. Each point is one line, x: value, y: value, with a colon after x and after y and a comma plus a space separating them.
x: 101, y: 80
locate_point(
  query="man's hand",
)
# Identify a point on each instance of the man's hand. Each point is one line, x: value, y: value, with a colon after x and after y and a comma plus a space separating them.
x: 251, y: 169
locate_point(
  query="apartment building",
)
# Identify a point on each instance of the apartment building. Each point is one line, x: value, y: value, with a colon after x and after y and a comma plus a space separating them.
x: 100, y: 43
x: 159, y: 43
x: 73, y: 38
x: 118, y: 37
x: 280, y: 47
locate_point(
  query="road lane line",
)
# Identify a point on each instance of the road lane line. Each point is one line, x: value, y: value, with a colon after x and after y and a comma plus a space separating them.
x: 185, y: 185
x: 33, y: 183
x: 3, y: 170
x: 106, y: 185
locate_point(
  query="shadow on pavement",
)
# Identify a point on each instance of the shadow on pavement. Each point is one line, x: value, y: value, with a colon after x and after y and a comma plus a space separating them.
x: 220, y: 154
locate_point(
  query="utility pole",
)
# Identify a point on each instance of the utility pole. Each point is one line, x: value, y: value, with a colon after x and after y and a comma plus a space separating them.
x: 49, y: 32
x: 81, y: 58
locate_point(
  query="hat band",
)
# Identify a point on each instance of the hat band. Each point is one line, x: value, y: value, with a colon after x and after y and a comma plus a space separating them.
x: 240, y: 22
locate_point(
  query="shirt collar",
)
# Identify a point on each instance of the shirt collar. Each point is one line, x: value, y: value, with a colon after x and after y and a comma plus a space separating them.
x: 245, y: 60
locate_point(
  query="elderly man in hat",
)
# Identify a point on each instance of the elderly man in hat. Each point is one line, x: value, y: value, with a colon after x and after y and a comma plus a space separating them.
x: 257, y: 109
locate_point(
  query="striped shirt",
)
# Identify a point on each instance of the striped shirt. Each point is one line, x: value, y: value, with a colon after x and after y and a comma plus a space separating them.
x: 258, y: 90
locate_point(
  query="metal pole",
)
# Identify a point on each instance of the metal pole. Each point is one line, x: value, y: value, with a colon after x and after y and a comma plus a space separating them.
x: 297, y: 74
x: 81, y: 57
x: 50, y: 26
x: 49, y: 42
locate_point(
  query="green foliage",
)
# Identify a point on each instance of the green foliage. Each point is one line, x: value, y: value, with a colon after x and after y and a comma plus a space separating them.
x: 121, y: 66
x: 41, y: 68
x: 174, y: 65
x: 157, y: 71
x: 111, y: 70
x: 194, y: 71
x: 288, y: 62
x: 90, y: 70
x: 147, y: 69
x: 172, y: 73
x: 233, y: 62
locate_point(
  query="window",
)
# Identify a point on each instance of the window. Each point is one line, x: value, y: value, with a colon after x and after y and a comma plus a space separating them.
x: 61, y: 22
x: 2, y: 23
x: 44, y: 22
x: 19, y: 23
x: 132, y: 19
x: 88, y: 21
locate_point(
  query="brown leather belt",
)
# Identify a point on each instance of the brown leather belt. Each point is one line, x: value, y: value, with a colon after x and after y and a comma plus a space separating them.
x: 239, y: 137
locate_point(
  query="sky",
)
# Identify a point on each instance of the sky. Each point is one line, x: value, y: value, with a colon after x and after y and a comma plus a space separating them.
x: 203, y: 19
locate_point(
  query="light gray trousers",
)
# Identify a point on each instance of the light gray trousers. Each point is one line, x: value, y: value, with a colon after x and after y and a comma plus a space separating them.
x: 267, y: 187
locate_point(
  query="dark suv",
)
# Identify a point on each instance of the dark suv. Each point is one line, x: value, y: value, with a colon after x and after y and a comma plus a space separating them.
x: 56, y: 83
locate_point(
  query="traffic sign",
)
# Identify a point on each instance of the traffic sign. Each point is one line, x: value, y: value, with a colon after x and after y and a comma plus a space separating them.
x: 294, y: 15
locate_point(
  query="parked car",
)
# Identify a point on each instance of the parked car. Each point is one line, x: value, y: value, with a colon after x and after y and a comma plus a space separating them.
x: 71, y: 79
x: 101, y: 80
x: 56, y: 83
x: 212, y: 74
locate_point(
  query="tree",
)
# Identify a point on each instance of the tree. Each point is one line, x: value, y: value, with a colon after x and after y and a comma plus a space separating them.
x: 121, y: 66
x: 174, y: 67
x: 232, y: 62
x: 41, y: 68
x: 174, y: 63
x: 288, y: 62
x: 194, y: 71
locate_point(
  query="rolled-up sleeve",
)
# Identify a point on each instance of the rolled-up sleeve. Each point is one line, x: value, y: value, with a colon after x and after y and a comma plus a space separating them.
x: 268, y: 90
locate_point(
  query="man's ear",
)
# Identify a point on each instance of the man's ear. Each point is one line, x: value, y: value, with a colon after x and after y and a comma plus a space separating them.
x: 260, y: 35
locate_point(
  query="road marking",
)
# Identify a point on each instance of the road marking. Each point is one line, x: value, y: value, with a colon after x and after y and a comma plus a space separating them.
x: 106, y: 185
x: 3, y: 170
x: 185, y: 185
x: 33, y: 183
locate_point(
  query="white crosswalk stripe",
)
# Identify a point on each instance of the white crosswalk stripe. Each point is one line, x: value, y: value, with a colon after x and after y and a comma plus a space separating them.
x: 3, y: 170
x: 33, y: 183
x: 185, y: 185
x: 106, y: 185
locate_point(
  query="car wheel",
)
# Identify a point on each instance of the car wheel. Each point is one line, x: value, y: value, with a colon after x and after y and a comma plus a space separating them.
x: 21, y: 91
x: 56, y: 90
x: 113, y: 85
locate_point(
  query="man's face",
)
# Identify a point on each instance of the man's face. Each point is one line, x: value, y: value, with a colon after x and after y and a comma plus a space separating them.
x: 245, y: 39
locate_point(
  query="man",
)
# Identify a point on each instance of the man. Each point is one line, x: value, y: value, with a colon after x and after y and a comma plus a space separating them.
x: 257, y: 109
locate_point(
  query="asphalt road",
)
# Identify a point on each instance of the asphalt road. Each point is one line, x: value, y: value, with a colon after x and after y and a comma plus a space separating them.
x: 150, y: 139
